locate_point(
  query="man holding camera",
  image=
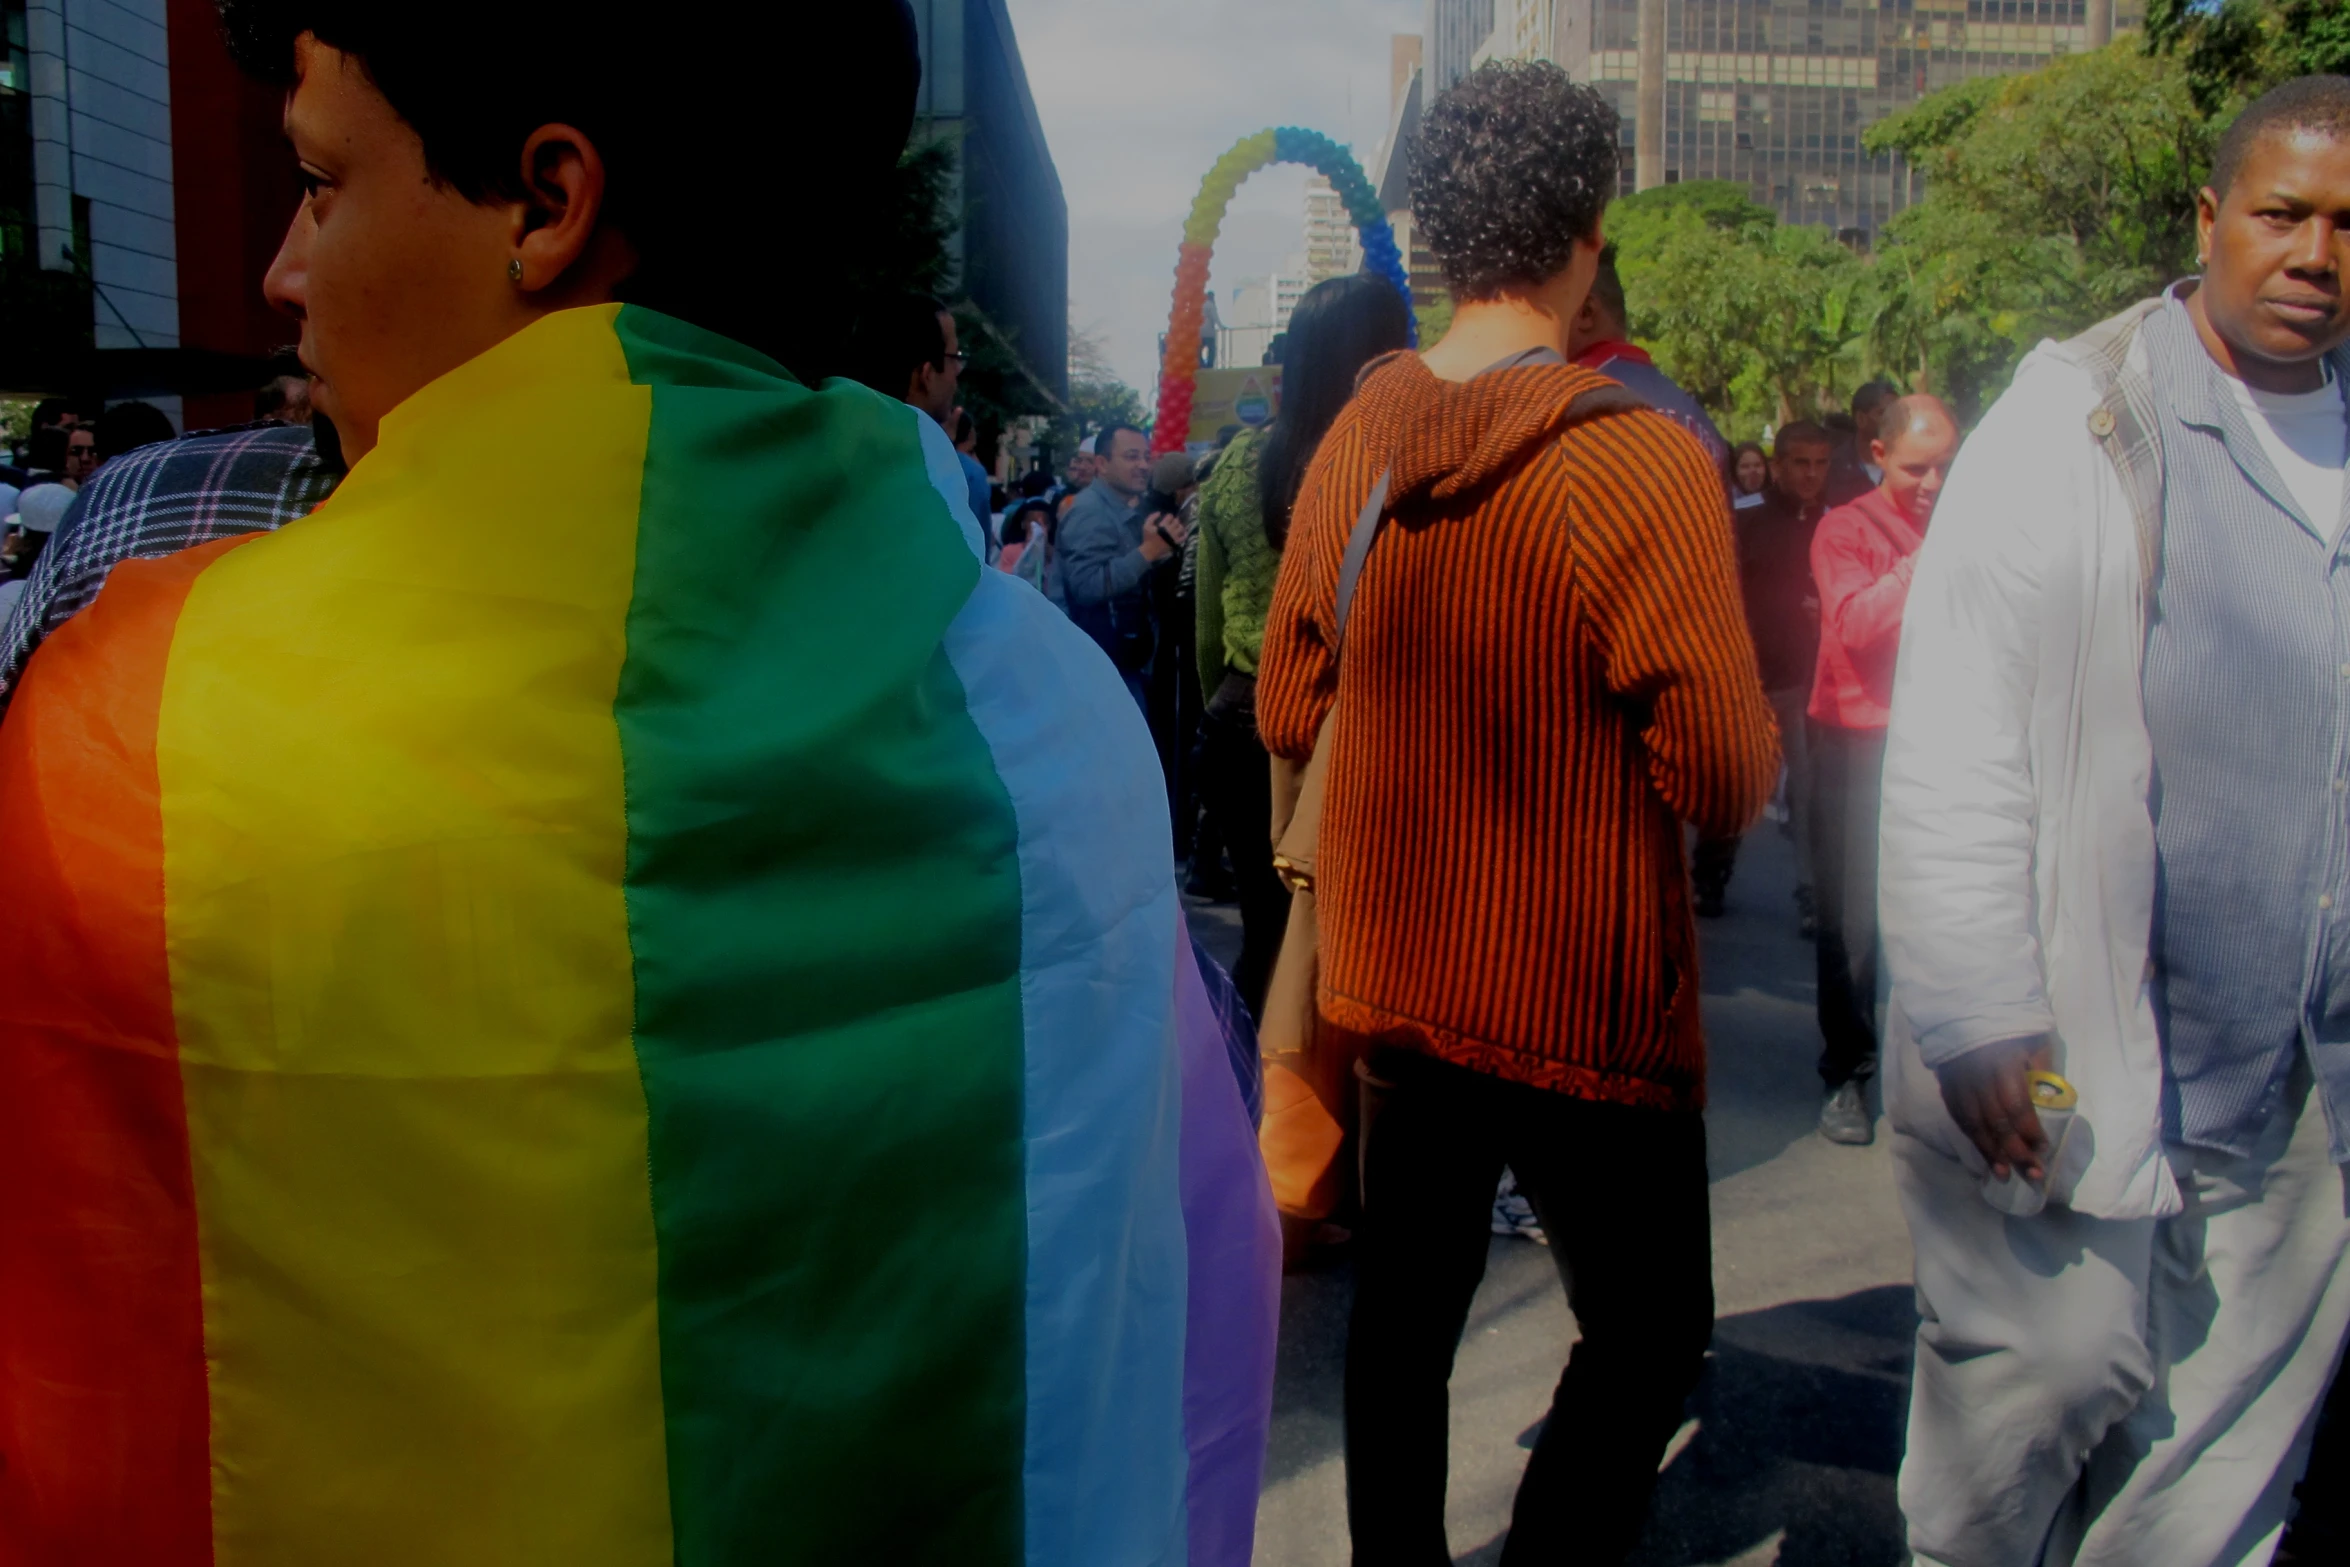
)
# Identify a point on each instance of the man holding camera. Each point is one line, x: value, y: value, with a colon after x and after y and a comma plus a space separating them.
x: 1110, y: 544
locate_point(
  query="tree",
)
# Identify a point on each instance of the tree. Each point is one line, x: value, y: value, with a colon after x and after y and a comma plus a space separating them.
x: 1758, y: 320
x: 2054, y: 197
x: 908, y: 252
x: 2234, y: 51
x: 2104, y: 149
x: 1097, y: 397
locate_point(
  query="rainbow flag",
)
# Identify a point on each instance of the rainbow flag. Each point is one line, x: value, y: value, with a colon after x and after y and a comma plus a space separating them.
x: 611, y: 998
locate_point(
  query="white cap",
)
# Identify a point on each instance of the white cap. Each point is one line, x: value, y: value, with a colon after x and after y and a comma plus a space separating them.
x: 41, y: 508
x: 1086, y: 446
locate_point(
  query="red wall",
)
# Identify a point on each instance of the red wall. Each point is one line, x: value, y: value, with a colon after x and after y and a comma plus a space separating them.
x: 233, y: 192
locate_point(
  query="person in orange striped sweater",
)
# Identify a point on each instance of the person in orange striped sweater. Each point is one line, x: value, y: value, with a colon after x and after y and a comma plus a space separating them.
x: 1545, y: 672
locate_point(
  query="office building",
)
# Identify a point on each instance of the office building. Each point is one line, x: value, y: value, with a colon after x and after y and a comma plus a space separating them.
x: 155, y: 255
x: 1776, y: 96
x: 1457, y: 29
x: 1390, y: 171
x: 1332, y: 247
x: 1011, y: 250
x: 1261, y: 308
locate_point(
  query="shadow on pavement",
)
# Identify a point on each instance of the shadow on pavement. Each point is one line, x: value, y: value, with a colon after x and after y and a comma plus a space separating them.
x: 1798, y: 1437
x: 1799, y: 1422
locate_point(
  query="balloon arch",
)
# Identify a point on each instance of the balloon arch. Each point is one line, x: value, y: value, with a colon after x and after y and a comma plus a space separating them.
x: 1179, y: 372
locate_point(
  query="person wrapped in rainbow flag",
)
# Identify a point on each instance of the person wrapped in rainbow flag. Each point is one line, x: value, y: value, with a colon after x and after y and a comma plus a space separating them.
x: 610, y: 996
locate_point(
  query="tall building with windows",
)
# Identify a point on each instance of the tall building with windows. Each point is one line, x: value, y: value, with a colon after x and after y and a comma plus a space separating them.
x: 1332, y: 247
x: 144, y: 187
x: 1776, y: 96
x: 1457, y: 29
x: 1011, y: 248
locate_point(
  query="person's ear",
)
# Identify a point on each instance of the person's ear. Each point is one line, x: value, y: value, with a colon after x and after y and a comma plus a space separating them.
x: 2206, y: 219
x: 563, y: 201
x: 1877, y: 453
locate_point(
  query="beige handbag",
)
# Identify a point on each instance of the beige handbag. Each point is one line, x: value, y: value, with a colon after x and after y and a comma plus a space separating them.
x: 1310, y: 1091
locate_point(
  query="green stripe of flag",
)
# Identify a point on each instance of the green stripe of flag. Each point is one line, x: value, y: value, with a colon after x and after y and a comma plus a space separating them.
x: 824, y: 913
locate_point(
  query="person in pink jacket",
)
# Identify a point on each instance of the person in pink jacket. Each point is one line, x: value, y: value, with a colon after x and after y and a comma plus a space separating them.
x: 1861, y: 558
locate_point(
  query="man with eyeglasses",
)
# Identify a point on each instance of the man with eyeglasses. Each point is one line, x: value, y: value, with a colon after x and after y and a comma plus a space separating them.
x: 907, y: 349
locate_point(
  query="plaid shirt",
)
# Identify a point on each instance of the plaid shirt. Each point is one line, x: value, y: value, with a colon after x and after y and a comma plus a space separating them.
x: 156, y: 501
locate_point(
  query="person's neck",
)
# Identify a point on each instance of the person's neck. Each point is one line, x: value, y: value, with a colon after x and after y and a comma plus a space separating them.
x: 1484, y: 332
x: 2262, y: 375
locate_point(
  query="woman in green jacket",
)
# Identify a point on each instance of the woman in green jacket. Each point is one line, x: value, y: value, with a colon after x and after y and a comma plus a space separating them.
x: 1338, y: 327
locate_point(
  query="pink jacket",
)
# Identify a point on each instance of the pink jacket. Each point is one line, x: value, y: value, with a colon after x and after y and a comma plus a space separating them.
x: 1861, y: 557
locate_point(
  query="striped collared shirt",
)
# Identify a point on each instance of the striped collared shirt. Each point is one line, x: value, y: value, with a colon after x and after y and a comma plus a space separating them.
x: 2247, y: 687
x: 157, y: 501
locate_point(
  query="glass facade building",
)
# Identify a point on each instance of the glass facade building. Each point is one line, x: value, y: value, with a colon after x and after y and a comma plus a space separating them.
x: 1457, y: 29
x: 1776, y: 95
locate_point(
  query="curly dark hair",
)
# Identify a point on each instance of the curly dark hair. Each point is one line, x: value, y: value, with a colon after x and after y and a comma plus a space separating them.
x: 1514, y: 164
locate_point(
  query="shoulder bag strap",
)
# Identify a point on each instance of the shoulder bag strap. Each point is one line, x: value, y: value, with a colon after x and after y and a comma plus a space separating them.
x: 1297, y: 804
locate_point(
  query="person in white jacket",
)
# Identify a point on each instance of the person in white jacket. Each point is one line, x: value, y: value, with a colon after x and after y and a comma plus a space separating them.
x: 2116, y: 853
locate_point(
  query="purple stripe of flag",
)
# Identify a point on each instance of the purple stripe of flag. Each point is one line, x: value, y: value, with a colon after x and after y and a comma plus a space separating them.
x: 1234, y: 1238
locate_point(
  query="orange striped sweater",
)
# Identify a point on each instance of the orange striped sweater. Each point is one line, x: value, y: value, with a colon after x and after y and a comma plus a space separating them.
x: 1547, y: 670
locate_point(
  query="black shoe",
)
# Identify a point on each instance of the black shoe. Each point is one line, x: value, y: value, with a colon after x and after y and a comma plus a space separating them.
x: 1709, y: 903
x: 1845, y: 1117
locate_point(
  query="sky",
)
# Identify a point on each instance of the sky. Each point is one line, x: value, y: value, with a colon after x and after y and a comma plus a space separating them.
x: 1139, y: 99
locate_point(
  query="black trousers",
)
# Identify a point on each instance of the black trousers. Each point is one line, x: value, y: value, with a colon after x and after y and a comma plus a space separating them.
x: 1239, y: 789
x: 1847, y: 786
x: 1622, y: 1192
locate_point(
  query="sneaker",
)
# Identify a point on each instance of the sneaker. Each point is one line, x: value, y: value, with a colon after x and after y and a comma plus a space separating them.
x: 1514, y: 1215
x: 1845, y: 1117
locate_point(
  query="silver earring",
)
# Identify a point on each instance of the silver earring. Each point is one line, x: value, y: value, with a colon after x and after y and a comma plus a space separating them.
x: 514, y: 270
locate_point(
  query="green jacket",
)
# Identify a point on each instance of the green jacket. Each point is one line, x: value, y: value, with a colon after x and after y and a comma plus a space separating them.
x: 1236, y: 566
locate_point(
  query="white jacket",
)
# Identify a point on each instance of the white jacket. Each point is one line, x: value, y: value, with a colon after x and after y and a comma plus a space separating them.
x: 2017, y: 883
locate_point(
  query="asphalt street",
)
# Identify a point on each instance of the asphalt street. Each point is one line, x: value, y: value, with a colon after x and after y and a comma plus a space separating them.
x: 1794, y: 1433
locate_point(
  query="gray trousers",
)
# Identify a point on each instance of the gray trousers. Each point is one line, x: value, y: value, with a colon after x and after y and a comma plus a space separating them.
x: 2110, y: 1393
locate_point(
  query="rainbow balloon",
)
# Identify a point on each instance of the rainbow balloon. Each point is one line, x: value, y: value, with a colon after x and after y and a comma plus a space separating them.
x: 607, y: 998
x: 1179, y: 371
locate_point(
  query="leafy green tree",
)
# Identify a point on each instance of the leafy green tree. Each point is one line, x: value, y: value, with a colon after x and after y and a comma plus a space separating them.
x: 1097, y: 397
x: 1759, y: 321
x: 2235, y: 50
x: 2104, y: 149
x: 2054, y: 197
x: 907, y: 252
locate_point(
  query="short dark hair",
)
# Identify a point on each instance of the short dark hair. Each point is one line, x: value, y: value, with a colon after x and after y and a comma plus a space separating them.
x: 1513, y: 165
x: 1016, y: 521
x: 894, y: 337
x: 2306, y: 103
x: 51, y: 409
x: 128, y: 426
x: 1800, y: 432
x: 1868, y: 403
x: 474, y: 78
x: 1607, y: 289
x: 1108, y: 436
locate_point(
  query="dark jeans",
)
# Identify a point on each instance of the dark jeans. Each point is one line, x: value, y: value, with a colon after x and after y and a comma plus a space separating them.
x: 1239, y: 789
x: 1622, y: 1192
x: 1847, y: 784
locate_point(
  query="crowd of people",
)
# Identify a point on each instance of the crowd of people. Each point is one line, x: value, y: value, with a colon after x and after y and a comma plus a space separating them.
x: 512, y: 850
